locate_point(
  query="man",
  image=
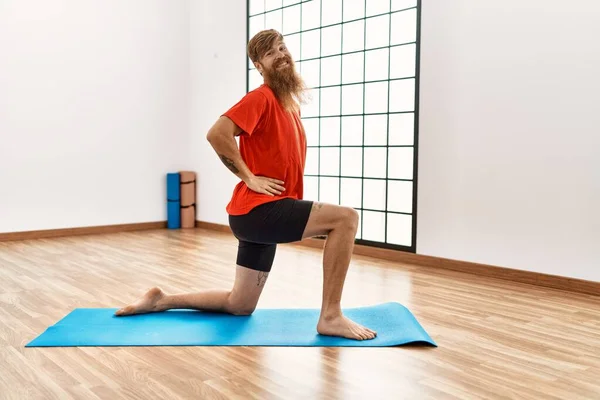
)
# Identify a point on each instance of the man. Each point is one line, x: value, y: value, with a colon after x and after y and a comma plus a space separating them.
x: 267, y: 206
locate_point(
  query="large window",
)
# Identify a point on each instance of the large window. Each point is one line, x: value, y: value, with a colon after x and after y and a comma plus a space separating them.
x: 360, y: 59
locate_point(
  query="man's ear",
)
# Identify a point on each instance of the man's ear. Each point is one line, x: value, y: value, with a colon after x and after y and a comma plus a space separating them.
x: 259, y: 67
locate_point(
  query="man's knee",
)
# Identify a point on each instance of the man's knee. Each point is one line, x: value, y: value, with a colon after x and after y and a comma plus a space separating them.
x: 242, y: 310
x: 348, y: 218
x: 237, y: 307
x: 326, y: 217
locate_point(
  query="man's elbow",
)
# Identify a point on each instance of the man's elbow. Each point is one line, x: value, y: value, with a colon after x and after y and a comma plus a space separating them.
x: 218, y: 130
x: 210, y: 135
x: 213, y: 133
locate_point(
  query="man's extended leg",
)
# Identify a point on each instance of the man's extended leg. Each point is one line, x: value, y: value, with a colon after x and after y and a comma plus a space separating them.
x: 339, y: 224
x: 241, y: 300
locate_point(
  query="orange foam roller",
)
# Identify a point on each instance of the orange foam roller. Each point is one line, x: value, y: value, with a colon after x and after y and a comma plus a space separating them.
x: 188, y: 188
x: 188, y: 216
x: 188, y: 199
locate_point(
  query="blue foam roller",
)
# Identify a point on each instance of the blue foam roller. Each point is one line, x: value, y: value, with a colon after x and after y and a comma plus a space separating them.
x: 173, y: 186
x: 173, y: 200
x: 173, y: 214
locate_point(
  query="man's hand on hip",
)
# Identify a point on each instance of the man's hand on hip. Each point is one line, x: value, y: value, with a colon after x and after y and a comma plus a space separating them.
x: 268, y: 186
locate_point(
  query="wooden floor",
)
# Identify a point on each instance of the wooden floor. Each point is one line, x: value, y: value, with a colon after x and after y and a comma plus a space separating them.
x: 496, y: 339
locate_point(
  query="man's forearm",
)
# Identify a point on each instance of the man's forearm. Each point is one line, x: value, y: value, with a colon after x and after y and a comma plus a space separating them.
x: 226, y: 148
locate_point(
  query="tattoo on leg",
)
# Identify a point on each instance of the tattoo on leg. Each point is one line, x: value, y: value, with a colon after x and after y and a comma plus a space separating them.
x: 262, y: 278
x: 317, y: 206
x: 229, y: 164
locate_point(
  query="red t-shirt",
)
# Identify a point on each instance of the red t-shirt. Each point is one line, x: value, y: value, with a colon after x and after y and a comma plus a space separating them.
x: 272, y: 144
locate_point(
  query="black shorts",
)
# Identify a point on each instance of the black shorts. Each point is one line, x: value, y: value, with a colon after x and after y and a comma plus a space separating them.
x: 259, y: 231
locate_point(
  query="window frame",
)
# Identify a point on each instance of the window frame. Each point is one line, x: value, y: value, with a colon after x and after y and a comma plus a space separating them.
x: 415, y: 113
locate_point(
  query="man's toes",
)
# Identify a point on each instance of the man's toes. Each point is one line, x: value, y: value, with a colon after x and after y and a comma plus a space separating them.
x: 357, y: 333
x: 369, y: 334
x: 124, y: 311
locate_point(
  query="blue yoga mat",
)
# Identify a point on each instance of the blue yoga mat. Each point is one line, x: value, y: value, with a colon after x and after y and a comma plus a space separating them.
x: 395, y: 325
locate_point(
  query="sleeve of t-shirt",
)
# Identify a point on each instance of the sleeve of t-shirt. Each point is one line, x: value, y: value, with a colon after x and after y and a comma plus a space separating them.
x: 248, y: 112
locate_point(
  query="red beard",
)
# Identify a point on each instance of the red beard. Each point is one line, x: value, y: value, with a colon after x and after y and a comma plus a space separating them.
x: 286, y: 83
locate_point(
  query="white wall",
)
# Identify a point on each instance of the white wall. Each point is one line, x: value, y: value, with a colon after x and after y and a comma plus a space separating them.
x: 508, y: 131
x: 218, y: 59
x: 509, y: 166
x: 94, y: 110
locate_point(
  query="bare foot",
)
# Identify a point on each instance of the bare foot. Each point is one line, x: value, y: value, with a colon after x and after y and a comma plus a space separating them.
x: 344, y: 327
x: 148, y: 303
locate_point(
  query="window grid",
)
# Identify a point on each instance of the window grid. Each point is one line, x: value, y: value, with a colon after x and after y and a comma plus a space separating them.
x: 367, y: 146
x: 320, y: 86
x: 341, y: 101
x: 364, y: 102
x: 391, y: 46
x: 320, y: 77
x: 387, y: 136
x: 356, y: 115
x: 334, y: 24
x: 341, y: 85
x: 275, y: 9
x: 357, y: 177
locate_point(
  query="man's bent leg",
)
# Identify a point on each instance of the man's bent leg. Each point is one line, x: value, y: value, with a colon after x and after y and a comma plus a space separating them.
x: 339, y: 224
x: 240, y: 300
